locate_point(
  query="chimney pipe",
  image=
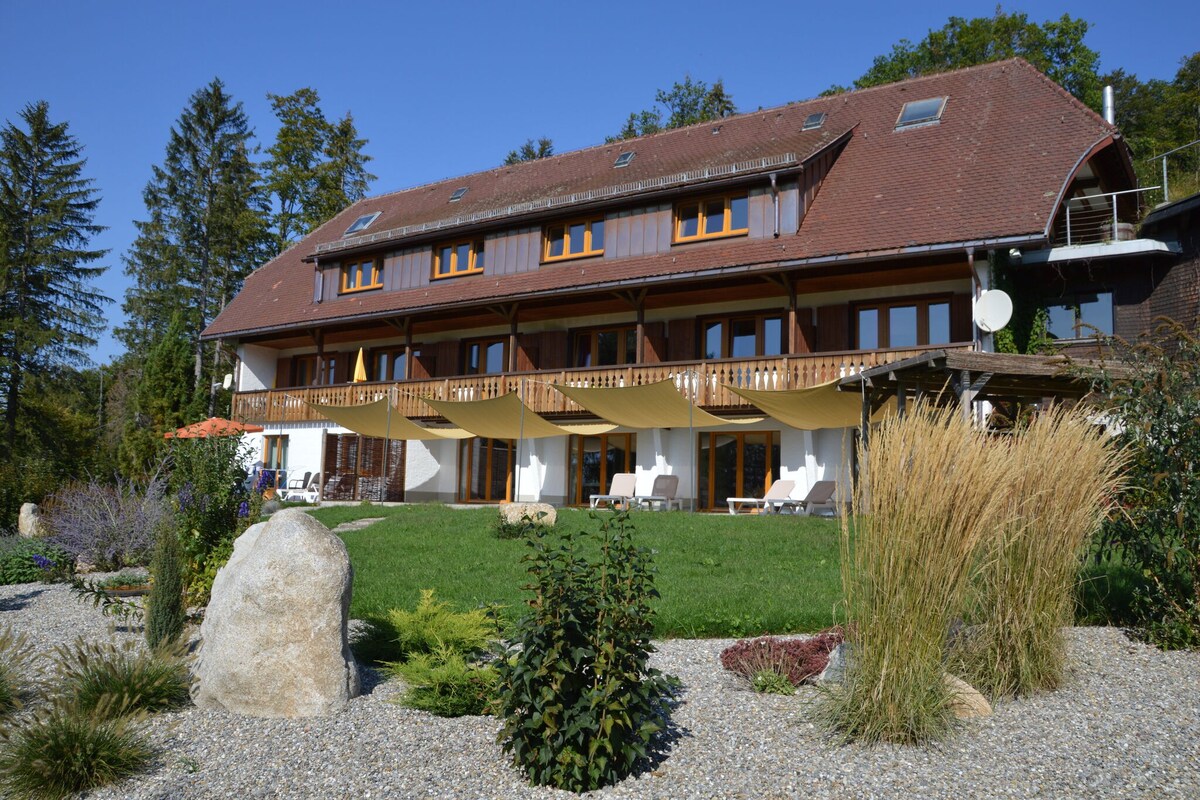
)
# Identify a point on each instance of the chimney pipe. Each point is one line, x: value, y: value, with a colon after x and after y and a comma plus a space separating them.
x: 1110, y: 115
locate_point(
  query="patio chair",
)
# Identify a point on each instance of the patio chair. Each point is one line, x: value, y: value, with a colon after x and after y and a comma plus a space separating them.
x: 623, y: 486
x: 307, y: 493
x: 662, y: 493
x: 299, y: 483
x: 780, y: 491
x: 821, y: 494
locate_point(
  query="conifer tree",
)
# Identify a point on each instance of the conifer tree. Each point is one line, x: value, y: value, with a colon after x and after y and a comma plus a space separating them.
x: 344, y: 179
x: 165, y: 614
x: 207, y: 229
x: 164, y: 399
x: 49, y: 311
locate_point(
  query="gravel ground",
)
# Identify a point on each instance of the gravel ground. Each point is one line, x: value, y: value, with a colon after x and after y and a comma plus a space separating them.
x: 1127, y: 725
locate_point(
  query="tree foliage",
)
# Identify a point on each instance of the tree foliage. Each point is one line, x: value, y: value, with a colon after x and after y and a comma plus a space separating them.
x: 49, y: 311
x: 206, y: 230
x: 1055, y: 47
x: 686, y: 103
x: 314, y: 169
x: 530, y: 151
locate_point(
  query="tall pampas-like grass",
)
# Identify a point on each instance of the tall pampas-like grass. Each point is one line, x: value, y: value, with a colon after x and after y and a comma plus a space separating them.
x: 1063, y: 475
x: 928, y: 493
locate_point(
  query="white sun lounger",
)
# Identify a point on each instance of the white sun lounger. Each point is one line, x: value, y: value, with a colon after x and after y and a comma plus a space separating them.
x: 623, y: 486
x: 779, y: 492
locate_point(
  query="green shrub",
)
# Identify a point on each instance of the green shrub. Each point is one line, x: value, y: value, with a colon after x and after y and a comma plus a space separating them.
x: 31, y: 560
x: 124, y: 579
x: 1154, y: 399
x: 580, y: 704
x: 519, y: 530
x: 210, y: 496
x: 59, y: 752
x: 97, y: 678
x: 165, y: 612
x: 929, y: 489
x: 434, y: 625
x: 446, y: 684
x: 1063, y: 475
x: 768, y: 681
x: 15, y: 656
x: 201, y: 574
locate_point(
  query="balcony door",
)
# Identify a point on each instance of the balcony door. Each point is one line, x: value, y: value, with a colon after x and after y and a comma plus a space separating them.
x: 593, y: 460
x: 737, y: 464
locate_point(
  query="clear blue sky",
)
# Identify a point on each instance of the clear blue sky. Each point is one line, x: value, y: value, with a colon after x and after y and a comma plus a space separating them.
x: 447, y: 88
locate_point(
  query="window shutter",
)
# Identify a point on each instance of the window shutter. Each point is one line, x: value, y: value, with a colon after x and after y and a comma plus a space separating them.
x: 656, y: 342
x: 960, y: 318
x: 283, y: 372
x: 833, y: 327
x: 553, y: 350
x: 681, y: 342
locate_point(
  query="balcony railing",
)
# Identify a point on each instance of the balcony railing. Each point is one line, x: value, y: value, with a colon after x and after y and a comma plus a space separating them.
x: 705, y: 380
x: 1100, y: 218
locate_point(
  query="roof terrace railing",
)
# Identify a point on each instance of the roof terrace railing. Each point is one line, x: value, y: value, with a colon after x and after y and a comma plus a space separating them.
x: 1100, y: 218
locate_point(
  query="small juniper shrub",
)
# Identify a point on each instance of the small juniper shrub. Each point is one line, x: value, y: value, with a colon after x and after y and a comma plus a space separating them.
x: 98, y: 678
x: 165, y: 613
x: 435, y: 625
x: 793, y: 660
x: 15, y: 657
x: 58, y: 752
x: 32, y: 560
x: 581, y: 706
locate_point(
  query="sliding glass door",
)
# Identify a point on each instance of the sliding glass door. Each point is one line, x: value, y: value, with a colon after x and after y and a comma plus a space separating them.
x: 737, y: 464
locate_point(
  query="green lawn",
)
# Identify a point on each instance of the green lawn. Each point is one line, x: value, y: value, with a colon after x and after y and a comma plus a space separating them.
x: 718, y: 575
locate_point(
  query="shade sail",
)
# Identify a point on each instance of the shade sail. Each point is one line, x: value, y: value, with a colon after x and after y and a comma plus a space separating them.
x: 813, y: 408
x: 213, y: 426
x: 373, y: 419
x: 650, y: 405
x: 501, y: 418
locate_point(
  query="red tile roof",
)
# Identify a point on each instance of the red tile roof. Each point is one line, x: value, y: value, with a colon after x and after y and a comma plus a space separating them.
x: 992, y: 168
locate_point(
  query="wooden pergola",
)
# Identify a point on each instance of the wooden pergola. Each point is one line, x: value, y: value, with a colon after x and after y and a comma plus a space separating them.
x: 970, y: 376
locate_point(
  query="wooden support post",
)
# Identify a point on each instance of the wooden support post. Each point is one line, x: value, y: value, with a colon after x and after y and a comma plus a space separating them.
x: 901, y: 398
x: 319, y: 337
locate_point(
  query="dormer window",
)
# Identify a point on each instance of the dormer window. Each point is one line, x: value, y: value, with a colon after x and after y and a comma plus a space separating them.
x: 712, y: 217
x: 361, y: 275
x: 574, y: 239
x: 921, y: 112
x: 361, y: 223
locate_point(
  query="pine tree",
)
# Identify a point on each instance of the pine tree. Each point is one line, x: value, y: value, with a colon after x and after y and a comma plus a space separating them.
x: 49, y: 312
x: 207, y: 230
x: 530, y: 151
x: 344, y: 178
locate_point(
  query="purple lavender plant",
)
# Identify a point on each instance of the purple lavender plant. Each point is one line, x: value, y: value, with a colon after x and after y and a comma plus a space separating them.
x: 109, y: 525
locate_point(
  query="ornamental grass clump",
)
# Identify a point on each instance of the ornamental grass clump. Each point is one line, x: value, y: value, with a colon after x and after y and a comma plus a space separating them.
x: 926, y: 495
x: 15, y: 657
x: 58, y: 752
x: 101, y: 678
x: 1063, y: 475
x: 581, y: 706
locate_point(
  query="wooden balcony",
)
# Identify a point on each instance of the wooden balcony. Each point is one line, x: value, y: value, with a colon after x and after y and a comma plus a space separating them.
x: 709, y: 379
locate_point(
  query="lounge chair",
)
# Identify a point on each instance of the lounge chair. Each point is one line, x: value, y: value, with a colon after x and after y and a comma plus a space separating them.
x: 623, y: 486
x: 779, y: 492
x: 308, y: 492
x: 821, y: 494
x: 299, y: 483
x: 662, y: 493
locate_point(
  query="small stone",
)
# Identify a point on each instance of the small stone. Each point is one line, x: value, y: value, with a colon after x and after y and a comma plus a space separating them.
x: 538, y: 513
x: 835, y: 669
x: 29, y: 524
x: 967, y: 702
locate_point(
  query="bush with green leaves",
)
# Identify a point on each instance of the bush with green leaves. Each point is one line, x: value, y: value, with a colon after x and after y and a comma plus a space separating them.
x: 435, y: 625
x: 15, y: 656
x: 448, y: 684
x: 1153, y: 399
x: 581, y: 706
x: 32, y: 560
x: 100, y: 678
x: 165, y: 611
x: 208, y: 478
x: 58, y: 752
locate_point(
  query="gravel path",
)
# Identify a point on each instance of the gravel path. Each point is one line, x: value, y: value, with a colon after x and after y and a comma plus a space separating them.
x: 1127, y: 725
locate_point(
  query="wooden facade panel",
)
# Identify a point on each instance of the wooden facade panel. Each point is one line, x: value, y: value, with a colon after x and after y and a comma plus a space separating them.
x: 961, y: 328
x: 445, y: 358
x: 833, y: 327
x: 283, y: 372
x: 656, y: 342
x: 528, y: 352
x: 663, y: 218
x: 761, y: 213
x: 789, y: 207
x: 552, y: 350
x: 681, y: 339
x: 637, y: 234
x: 806, y: 331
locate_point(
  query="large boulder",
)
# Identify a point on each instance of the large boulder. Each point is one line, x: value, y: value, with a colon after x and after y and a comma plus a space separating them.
x: 536, y: 513
x: 274, y: 639
x: 29, y: 523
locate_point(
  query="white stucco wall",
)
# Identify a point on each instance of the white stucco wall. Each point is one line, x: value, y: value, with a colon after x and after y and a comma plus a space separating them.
x: 256, y: 368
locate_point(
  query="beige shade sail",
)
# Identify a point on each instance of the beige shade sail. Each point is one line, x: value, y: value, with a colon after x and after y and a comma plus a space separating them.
x: 814, y: 408
x: 650, y: 405
x: 373, y: 419
x: 506, y: 417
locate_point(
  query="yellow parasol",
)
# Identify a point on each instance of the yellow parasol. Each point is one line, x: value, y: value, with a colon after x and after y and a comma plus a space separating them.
x: 360, y: 368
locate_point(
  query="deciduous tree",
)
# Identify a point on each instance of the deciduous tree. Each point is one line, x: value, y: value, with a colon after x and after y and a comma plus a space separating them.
x: 686, y: 103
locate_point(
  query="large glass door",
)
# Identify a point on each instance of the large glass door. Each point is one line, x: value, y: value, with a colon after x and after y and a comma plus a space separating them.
x: 735, y: 465
x: 485, y: 470
x: 593, y: 460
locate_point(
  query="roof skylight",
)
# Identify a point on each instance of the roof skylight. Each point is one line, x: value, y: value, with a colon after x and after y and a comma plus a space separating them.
x: 459, y: 194
x: 361, y: 223
x: 921, y: 112
x: 813, y: 121
x: 624, y: 159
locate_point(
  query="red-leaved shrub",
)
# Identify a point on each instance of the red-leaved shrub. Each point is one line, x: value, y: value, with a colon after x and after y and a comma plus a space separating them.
x: 795, y: 659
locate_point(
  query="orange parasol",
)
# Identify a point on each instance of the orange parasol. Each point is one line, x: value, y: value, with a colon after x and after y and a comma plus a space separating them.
x: 213, y: 426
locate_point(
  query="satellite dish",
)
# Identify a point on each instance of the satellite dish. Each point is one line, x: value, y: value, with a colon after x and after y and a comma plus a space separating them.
x: 228, y: 380
x: 993, y: 310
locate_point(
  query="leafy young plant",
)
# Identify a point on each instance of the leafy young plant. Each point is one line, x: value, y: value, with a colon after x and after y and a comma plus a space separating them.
x: 109, y: 605
x: 768, y: 681
x: 99, y: 678
x: 580, y: 703
x: 32, y: 560
x: 59, y: 752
